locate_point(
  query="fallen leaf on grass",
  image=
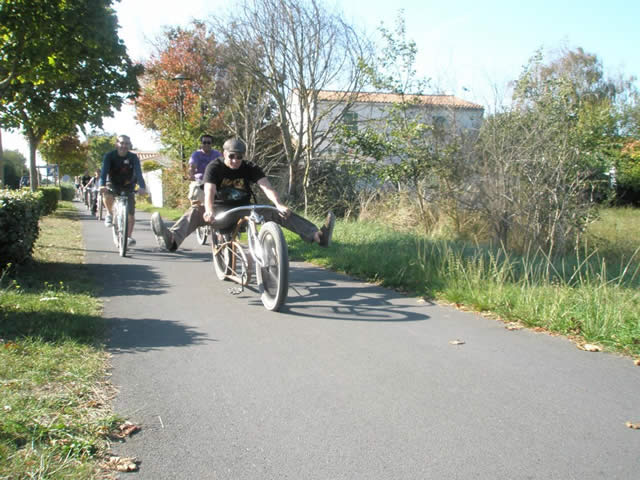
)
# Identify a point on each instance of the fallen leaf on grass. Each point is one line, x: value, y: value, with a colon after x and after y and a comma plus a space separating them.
x: 635, y: 426
x: 121, y: 464
x: 457, y: 342
x: 125, y: 430
x: 589, y: 347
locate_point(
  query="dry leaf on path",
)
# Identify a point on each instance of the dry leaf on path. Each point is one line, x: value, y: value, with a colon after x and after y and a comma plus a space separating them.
x: 635, y: 426
x: 125, y: 430
x: 121, y: 464
x: 589, y: 347
x: 457, y: 342
x: 513, y: 326
x: 637, y: 362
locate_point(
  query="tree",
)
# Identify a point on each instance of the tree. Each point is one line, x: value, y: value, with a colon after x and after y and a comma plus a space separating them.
x: 54, y: 81
x: 66, y: 151
x: 194, y: 53
x: 14, y: 167
x: 295, y: 49
x: 97, y: 145
x: 421, y: 159
x: 538, y: 160
x: 592, y: 108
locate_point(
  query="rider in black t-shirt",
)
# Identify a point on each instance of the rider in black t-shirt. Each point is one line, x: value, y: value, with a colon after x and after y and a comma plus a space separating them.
x: 228, y: 184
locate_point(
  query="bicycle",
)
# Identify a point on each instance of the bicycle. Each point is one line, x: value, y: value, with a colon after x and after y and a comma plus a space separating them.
x: 121, y: 222
x: 267, y: 250
x: 100, y: 213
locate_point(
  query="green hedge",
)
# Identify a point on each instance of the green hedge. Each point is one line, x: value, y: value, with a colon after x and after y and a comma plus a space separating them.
x: 50, y: 198
x: 19, y: 214
x: 67, y: 191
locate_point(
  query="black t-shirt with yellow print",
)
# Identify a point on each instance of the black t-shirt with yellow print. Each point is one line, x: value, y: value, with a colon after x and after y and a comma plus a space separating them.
x: 233, y: 187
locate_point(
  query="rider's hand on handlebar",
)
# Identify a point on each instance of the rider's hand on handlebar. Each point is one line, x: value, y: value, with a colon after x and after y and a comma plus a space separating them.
x: 208, y: 217
x: 283, y: 210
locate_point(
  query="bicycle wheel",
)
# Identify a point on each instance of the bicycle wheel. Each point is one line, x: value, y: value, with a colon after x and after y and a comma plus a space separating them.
x: 100, y: 207
x: 202, y: 234
x: 273, y: 276
x: 123, y: 227
x: 221, y: 255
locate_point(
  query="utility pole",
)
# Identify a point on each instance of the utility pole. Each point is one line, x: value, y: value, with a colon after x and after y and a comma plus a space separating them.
x: 181, y: 78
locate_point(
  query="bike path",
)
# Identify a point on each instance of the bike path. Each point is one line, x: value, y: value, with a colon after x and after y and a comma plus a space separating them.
x: 350, y: 381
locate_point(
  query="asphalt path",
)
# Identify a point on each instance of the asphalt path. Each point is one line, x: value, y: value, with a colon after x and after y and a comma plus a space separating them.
x: 349, y: 381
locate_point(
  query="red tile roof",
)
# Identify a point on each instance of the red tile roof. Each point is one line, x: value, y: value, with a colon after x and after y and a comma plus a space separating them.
x: 436, y: 100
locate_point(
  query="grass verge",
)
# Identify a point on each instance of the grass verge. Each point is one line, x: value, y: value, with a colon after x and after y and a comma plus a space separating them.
x: 591, y: 295
x: 54, y: 409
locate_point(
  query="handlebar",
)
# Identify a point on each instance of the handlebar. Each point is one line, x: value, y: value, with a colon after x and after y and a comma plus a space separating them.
x: 221, y: 215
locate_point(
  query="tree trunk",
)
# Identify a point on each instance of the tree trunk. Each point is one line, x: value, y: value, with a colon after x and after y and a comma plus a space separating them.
x: 1, y: 162
x: 34, y: 141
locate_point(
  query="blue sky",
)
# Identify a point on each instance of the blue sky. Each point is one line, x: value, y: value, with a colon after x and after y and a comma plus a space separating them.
x: 468, y: 48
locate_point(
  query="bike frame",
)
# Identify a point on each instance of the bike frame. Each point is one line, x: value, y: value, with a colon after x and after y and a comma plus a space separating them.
x: 252, y: 220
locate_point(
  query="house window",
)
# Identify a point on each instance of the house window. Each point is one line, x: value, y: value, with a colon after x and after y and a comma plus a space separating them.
x: 350, y: 120
x: 439, y: 123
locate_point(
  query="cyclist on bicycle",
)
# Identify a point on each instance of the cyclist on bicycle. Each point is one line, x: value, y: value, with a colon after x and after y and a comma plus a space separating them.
x: 120, y: 172
x: 228, y: 183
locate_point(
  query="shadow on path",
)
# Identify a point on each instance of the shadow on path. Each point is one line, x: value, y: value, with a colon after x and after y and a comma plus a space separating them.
x: 315, y: 293
x: 128, y: 279
x: 145, y: 334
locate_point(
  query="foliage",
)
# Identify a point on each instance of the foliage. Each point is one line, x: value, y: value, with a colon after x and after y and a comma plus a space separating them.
x: 14, y: 167
x: 150, y: 166
x: 44, y: 86
x: 67, y: 192
x: 50, y: 198
x: 627, y: 173
x: 575, y: 82
x: 194, y: 53
x: 66, y: 151
x: 175, y: 187
x: 19, y: 215
x: 98, y: 144
x: 337, y: 186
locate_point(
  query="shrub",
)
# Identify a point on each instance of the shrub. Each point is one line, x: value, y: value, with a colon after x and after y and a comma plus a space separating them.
x: 150, y: 166
x: 19, y: 214
x: 175, y: 186
x: 50, y: 198
x: 67, y: 192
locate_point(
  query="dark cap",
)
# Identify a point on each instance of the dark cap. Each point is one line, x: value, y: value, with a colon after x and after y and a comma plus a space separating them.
x: 234, y: 145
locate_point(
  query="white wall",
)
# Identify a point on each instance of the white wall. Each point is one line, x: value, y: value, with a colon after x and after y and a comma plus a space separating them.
x: 153, y: 180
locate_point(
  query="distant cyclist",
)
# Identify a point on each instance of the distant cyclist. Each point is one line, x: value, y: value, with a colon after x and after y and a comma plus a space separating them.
x: 120, y: 172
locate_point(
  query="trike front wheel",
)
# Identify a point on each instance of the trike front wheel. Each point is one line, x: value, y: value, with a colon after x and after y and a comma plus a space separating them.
x: 273, y: 275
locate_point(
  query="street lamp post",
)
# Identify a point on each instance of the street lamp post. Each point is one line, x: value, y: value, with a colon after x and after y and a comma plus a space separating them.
x: 180, y: 78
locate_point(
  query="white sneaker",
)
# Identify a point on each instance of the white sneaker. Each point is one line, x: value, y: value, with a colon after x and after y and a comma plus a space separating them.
x: 108, y: 221
x: 131, y: 242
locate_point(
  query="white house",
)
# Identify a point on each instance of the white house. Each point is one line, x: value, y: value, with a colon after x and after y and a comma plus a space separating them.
x: 153, y: 179
x: 445, y: 112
